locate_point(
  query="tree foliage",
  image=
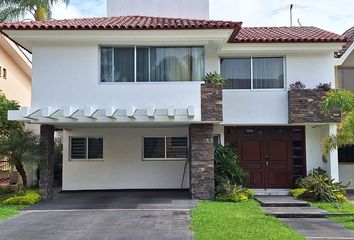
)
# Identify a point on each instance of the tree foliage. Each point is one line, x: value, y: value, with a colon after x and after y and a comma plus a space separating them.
x: 14, y: 10
x: 344, y: 101
x: 6, y: 105
x: 16, y: 145
x: 20, y: 147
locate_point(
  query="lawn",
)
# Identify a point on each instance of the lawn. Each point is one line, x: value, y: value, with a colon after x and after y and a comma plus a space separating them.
x: 7, y: 211
x: 347, y: 221
x: 245, y: 220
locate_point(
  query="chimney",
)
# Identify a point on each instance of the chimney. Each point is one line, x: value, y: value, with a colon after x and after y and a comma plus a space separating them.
x: 195, y: 9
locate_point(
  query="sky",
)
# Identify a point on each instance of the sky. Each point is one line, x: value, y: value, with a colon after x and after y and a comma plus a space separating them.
x: 333, y: 15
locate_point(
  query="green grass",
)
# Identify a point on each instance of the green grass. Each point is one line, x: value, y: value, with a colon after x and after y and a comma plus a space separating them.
x: 347, y: 207
x: 245, y: 220
x: 7, y: 211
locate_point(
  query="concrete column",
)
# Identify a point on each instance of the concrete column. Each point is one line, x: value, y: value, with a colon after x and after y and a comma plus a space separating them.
x: 202, y: 183
x: 47, y: 168
x: 333, y: 169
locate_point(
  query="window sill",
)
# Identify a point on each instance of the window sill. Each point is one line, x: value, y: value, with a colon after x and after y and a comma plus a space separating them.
x: 86, y: 160
x: 151, y: 83
x: 164, y: 159
x: 346, y: 163
x: 256, y: 90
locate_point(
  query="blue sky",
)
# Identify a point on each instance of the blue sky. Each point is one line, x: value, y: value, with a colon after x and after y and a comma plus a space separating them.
x: 333, y: 15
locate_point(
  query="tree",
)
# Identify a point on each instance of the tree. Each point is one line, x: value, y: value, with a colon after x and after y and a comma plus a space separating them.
x: 16, y: 145
x: 20, y: 147
x: 6, y: 105
x: 13, y: 10
x: 344, y: 101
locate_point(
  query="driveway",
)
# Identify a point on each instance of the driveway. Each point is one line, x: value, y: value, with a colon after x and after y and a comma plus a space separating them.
x: 104, y: 215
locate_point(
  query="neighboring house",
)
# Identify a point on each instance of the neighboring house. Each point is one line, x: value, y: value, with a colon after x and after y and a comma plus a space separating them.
x: 15, y: 72
x: 344, y: 66
x: 15, y: 83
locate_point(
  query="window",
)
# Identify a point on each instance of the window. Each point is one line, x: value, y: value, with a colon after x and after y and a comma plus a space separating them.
x: 82, y: 148
x: 152, y: 64
x: 164, y: 148
x: 4, y: 73
x: 253, y: 73
x: 347, y: 78
x: 346, y: 154
x: 216, y: 140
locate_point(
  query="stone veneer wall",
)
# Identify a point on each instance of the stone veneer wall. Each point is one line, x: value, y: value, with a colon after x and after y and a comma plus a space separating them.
x: 202, y: 183
x: 211, y: 106
x: 47, y: 170
x: 305, y: 107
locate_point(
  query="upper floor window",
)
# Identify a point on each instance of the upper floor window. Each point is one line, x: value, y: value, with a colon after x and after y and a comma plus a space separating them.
x: 253, y: 73
x: 152, y: 64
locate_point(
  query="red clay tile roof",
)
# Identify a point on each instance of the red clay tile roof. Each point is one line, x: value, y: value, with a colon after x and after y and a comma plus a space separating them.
x: 285, y: 34
x: 121, y: 23
x: 349, y: 34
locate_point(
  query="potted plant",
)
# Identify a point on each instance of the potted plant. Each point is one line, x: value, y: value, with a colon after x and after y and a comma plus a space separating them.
x: 214, y: 78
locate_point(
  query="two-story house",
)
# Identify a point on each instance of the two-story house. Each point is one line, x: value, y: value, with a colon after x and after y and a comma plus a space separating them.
x: 128, y: 92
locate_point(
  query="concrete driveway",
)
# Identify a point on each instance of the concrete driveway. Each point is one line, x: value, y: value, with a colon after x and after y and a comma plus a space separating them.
x: 104, y: 215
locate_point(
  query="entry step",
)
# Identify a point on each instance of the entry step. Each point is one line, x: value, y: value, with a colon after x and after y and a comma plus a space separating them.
x: 271, y: 192
x: 296, y: 212
x: 281, y: 201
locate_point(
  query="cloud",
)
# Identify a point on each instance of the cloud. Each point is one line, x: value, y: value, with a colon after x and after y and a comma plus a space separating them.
x: 79, y: 9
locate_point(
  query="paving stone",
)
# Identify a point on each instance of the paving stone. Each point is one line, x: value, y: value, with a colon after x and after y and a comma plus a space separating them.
x: 319, y: 228
x: 295, y: 212
x: 281, y: 201
x: 87, y: 220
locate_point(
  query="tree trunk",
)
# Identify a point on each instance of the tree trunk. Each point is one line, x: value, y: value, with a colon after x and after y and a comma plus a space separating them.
x: 22, y: 172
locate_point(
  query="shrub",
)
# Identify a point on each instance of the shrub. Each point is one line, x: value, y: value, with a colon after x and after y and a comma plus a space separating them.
x: 298, y: 85
x: 233, y: 193
x: 320, y: 187
x: 30, y: 198
x: 214, y: 77
x: 6, y: 190
x: 227, y: 168
x: 250, y: 193
x: 324, y: 87
x: 341, y: 197
x: 298, y: 192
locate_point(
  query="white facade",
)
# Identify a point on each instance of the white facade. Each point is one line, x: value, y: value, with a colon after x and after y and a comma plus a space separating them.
x: 123, y: 166
x: 196, y: 9
x: 72, y: 79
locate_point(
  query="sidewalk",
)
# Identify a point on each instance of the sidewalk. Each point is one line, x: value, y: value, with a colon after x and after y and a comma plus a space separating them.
x: 309, y: 221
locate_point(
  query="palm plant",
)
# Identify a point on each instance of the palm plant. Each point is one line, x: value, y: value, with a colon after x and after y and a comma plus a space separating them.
x: 13, y: 10
x: 20, y: 147
x: 344, y: 101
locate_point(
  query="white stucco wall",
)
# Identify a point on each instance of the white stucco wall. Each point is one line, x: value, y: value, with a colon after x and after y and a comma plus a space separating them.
x: 271, y: 106
x: 346, y: 174
x: 123, y: 167
x: 72, y: 78
x: 313, y: 136
x: 196, y: 9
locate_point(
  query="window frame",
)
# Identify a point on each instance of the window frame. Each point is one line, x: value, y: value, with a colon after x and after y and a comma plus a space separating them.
x: 87, y: 150
x: 165, y: 158
x: 135, y: 64
x: 257, y: 89
x: 4, y: 73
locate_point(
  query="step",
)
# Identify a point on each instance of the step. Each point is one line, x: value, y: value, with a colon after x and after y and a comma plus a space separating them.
x: 296, y: 212
x: 271, y: 192
x: 281, y: 201
x: 318, y: 228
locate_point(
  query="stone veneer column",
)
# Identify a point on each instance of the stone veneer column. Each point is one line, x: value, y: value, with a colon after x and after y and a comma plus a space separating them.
x: 47, y: 168
x: 202, y: 183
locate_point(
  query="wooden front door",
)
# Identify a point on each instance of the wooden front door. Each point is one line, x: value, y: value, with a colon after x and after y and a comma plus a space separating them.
x: 267, y: 154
